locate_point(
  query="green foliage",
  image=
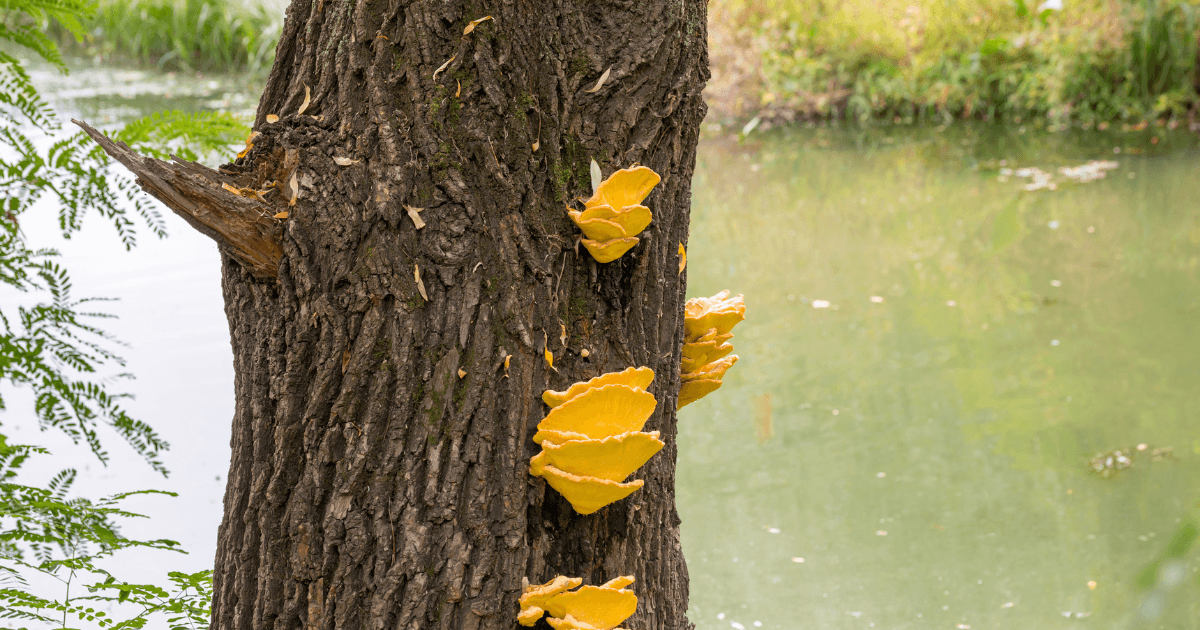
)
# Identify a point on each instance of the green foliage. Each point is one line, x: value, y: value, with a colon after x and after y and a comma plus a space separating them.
x: 53, y: 347
x: 208, y: 35
x: 188, y: 135
x: 932, y: 60
x: 62, y: 539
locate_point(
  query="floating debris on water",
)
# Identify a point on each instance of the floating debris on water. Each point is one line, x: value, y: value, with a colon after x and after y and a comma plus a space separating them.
x: 1042, y: 180
x: 1108, y: 464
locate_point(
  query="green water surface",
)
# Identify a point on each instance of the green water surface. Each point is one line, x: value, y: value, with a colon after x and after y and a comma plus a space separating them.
x: 915, y: 453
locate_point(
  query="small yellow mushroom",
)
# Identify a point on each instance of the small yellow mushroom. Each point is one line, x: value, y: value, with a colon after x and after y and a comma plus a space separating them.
x: 601, y: 412
x: 550, y: 359
x: 682, y: 258
x: 637, y: 378
x: 588, y: 494
x: 272, y: 118
x: 719, y: 311
x: 608, y: 251
x: 613, y: 458
x: 624, y: 188
x: 597, y: 606
x: 535, y: 598
x: 707, y: 323
x: 613, y: 216
x: 691, y: 391
x: 589, y: 608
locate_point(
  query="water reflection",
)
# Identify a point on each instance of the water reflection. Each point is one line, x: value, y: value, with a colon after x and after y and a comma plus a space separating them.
x: 940, y: 353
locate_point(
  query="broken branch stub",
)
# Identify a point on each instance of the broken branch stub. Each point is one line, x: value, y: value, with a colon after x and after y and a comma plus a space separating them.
x: 198, y: 195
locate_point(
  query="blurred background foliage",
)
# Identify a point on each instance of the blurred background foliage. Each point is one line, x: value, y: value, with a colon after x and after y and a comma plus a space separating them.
x: 1086, y: 61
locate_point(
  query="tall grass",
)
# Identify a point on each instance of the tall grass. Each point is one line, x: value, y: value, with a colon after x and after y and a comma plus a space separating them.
x: 205, y: 35
x: 1096, y: 60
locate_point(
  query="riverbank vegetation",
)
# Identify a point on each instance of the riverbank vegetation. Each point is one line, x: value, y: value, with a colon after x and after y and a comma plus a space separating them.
x: 1087, y: 62
x: 200, y: 35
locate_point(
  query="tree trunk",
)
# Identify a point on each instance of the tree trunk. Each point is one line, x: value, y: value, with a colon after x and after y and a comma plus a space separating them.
x: 370, y: 486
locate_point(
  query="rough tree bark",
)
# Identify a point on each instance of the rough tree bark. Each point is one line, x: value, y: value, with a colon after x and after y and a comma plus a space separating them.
x: 370, y: 486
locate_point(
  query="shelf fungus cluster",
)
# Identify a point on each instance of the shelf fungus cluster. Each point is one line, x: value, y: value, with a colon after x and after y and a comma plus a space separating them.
x: 589, y: 608
x: 592, y: 438
x: 614, y: 216
x: 707, y: 326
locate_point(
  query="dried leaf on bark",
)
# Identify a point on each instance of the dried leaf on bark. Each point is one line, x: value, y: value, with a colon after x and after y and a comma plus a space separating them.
x: 281, y: 215
x: 443, y: 67
x: 344, y: 161
x: 600, y: 82
x: 231, y: 189
x: 413, y: 214
x: 345, y: 360
x: 597, y: 176
x: 420, y: 285
x: 293, y: 189
x: 470, y: 27
x: 307, y: 99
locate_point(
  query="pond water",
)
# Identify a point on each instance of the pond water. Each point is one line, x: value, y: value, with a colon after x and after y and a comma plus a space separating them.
x: 931, y: 357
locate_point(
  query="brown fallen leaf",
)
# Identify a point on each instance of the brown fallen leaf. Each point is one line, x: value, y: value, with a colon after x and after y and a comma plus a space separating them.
x: 344, y: 161
x: 293, y: 189
x: 420, y: 285
x: 307, y: 99
x: 470, y: 27
x: 272, y: 118
x: 281, y: 215
x: 444, y: 66
x: 413, y: 214
x: 345, y: 360
x: 600, y: 82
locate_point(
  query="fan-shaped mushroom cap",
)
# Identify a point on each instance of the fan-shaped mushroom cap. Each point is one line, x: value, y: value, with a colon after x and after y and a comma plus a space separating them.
x: 535, y: 598
x: 608, y: 251
x: 557, y: 437
x: 624, y: 188
x: 637, y: 378
x: 587, y: 494
x: 596, y: 606
x: 719, y: 311
x: 691, y: 391
x: 716, y: 370
x: 696, y: 361
x: 602, y: 411
x: 612, y: 458
x: 599, y: 229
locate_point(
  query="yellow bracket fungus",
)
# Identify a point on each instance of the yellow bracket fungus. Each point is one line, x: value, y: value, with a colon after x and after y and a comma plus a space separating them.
x: 613, y: 458
x: 589, y: 608
x: 707, y: 323
x: 613, y: 216
x: 637, y: 378
x: 592, y: 438
x: 601, y: 412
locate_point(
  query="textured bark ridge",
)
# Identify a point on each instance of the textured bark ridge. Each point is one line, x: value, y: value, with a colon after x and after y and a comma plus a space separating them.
x: 371, y: 486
